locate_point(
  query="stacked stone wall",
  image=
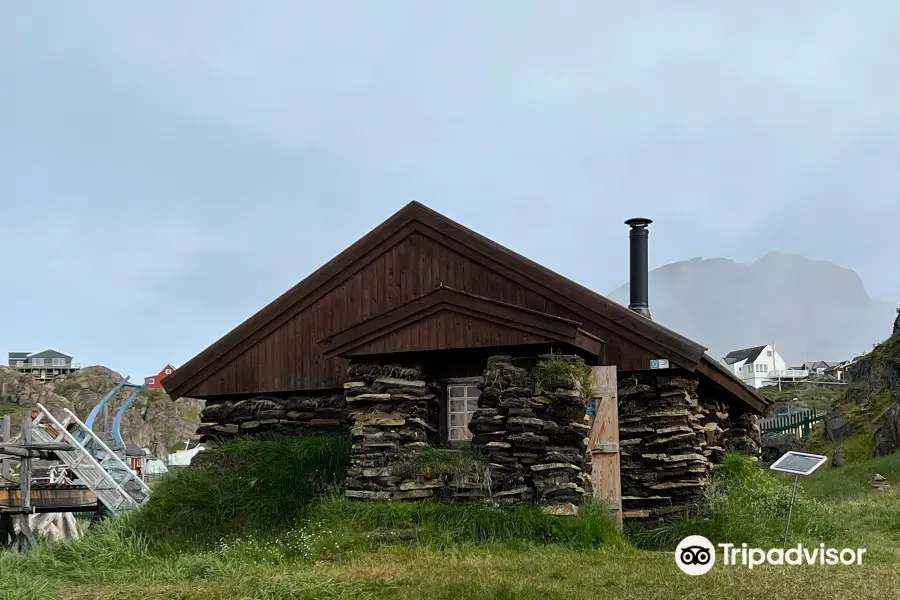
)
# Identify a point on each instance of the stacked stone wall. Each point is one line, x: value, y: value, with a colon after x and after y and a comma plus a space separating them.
x: 268, y: 414
x: 673, y: 436
x: 393, y: 415
x: 534, y: 438
x: 529, y: 436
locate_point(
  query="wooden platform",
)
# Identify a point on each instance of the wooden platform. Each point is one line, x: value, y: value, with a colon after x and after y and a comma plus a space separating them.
x: 49, y: 496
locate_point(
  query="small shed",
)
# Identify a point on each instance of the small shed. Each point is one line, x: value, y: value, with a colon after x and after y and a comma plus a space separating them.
x: 423, y: 295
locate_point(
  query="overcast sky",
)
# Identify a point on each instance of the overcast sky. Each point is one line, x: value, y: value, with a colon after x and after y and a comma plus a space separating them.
x: 167, y: 169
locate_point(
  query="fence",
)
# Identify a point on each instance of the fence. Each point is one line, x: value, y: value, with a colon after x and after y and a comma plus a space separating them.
x: 799, y: 423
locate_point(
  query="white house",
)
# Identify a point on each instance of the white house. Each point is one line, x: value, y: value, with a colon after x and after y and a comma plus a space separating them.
x: 183, y: 458
x: 760, y: 366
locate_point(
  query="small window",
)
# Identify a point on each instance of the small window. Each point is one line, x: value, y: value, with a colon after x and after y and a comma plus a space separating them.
x: 768, y: 353
x: 150, y: 380
x: 462, y: 402
x: 59, y: 362
x: 168, y: 371
x: 38, y: 362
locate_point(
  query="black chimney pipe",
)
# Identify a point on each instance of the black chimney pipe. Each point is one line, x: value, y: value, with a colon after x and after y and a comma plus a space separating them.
x: 640, y: 270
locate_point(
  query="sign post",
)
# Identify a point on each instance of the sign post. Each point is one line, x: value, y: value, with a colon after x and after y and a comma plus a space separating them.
x: 798, y: 463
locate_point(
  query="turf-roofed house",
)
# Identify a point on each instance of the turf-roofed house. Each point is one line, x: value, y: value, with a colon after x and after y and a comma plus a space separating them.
x: 424, y: 334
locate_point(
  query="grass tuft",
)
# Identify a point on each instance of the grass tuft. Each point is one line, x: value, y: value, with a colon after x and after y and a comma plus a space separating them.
x: 244, y: 486
x: 459, y: 467
x: 553, y: 368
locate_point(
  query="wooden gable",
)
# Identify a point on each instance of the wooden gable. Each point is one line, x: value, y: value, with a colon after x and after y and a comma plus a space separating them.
x: 446, y: 319
x: 412, y: 253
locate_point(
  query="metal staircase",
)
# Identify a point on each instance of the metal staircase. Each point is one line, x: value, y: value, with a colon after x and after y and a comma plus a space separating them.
x: 93, y: 461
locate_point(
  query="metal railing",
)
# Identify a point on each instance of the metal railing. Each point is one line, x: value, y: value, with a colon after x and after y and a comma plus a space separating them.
x: 788, y: 373
x: 798, y: 423
x: 32, y: 366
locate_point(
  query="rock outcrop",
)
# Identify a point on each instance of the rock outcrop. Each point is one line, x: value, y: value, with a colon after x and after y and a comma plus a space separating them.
x: 880, y: 483
x: 153, y: 421
x: 887, y: 436
x: 774, y: 445
x: 871, y: 404
x: 21, y: 393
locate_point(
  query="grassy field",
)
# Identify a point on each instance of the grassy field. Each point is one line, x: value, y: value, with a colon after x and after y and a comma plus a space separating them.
x: 182, y: 545
x: 822, y: 398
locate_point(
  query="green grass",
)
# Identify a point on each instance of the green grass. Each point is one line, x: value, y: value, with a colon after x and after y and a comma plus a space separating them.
x: 244, y: 486
x: 748, y: 504
x: 466, y: 465
x: 289, y: 534
x: 556, y: 367
x: 858, y: 448
x: 852, y: 481
x: 440, y: 525
x: 154, y: 395
x: 402, y: 572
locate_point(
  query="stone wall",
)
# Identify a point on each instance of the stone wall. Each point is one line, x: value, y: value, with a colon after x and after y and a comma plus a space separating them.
x: 267, y: 414
x: 672, y: 437
x: 393, y: 414
x: 742, y: 433
x: 529, y: 435
x: 665, y: 458
x: 534, y: 438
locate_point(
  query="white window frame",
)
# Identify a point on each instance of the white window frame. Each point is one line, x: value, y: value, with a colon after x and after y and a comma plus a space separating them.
x: 59, y: 362
x: 459, y: 432
x: 37, y: 362
x: 168, y: 371
x: 151, y: 380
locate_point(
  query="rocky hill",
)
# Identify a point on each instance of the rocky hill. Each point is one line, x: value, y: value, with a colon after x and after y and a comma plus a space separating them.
x: 153, y: 421
x: 872, y: 402
x: 811, y: 310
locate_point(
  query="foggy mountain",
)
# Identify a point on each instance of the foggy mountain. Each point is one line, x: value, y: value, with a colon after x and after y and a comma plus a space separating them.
x: 810, y: 310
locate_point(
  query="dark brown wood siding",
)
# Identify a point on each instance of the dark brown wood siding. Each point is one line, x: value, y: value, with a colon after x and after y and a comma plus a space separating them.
x: 446, y: 330
x: 288, y: 358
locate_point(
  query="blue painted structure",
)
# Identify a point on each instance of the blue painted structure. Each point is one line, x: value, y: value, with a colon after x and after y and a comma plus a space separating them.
x: 117, y: 420
x: 95, y: 412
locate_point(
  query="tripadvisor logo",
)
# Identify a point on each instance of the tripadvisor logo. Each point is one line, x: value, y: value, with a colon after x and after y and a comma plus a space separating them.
x: 696, y: 555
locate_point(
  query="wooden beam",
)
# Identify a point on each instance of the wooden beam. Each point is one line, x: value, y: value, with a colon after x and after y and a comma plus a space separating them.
x: 603, y: 441
x: 24, y: 453
x: 4, y: 437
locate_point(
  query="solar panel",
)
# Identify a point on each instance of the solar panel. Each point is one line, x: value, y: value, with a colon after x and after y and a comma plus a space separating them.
x: 798, y: 463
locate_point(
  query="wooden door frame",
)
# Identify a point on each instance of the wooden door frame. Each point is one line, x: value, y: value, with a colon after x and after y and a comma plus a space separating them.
x: 603, y: 441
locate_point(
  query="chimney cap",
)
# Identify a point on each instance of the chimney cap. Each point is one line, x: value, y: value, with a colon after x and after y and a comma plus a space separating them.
x: 638, y: 222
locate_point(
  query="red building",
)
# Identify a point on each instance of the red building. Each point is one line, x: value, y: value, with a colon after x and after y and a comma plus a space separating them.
x: 155, y: 381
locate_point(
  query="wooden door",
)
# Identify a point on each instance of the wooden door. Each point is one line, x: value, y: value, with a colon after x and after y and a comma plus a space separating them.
x: 603, y: 441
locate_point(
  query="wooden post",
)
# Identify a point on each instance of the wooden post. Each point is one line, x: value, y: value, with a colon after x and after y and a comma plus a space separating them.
x: 26, y: 538
x: 603, y: 441
x: 4, y: 463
